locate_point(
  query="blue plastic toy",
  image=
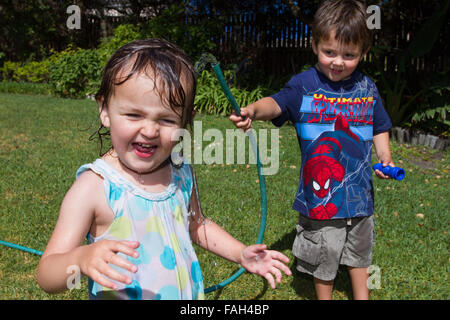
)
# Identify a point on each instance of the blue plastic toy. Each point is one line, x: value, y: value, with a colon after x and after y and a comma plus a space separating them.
x: 394, y: 172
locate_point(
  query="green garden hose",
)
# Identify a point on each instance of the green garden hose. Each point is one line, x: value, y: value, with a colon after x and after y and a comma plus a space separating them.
x: 262, y: 182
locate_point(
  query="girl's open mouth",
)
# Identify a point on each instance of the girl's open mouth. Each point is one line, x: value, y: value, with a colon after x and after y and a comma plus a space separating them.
x: 144, y: 150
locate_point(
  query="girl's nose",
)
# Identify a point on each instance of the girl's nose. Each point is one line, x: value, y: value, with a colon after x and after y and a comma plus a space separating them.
x: 150, y: 129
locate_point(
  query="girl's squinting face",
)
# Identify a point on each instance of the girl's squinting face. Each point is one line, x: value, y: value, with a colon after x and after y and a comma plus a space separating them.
x: 141, y: 126
x: 336, y: 60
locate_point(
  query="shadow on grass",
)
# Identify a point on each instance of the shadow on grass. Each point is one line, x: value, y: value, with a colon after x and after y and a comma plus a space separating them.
x: 217, y: 293
x: 303, y: 283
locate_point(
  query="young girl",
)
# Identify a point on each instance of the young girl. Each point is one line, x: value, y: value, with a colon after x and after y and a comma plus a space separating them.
x: 138, y: 210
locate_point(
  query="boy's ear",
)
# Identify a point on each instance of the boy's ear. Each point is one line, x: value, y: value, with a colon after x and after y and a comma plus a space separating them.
x: 313, y: 45
x: 103, y: 112
x: 364, y: 54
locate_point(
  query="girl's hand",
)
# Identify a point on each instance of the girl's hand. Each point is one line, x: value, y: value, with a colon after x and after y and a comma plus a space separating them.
x: 96, y: 258
x: 240, y: 122
x: 256, y: 259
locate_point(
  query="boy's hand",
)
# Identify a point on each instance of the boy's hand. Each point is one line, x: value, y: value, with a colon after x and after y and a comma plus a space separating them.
x: 385, y: 163
x: 256, y: 259
x: 245, y: 121
x: 96, y: 258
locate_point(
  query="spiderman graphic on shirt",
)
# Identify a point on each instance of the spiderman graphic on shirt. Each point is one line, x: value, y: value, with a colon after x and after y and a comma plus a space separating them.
x: 323, y: 172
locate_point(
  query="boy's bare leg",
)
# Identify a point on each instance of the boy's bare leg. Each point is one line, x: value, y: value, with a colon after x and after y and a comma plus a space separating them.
x: 359, y: 277
x: 324, y: 289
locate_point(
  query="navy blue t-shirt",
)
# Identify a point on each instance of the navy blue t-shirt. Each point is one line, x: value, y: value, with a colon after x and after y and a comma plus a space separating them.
x: 335, y: 123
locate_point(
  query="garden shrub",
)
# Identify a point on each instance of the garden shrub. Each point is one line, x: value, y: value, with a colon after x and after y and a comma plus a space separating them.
x: 8, y: 69
x: 32, y: 71
x: 433, y: 107
x: 211, y: 99
x: 76, y: 75
x: 122, y: 35
x: 193, y: 38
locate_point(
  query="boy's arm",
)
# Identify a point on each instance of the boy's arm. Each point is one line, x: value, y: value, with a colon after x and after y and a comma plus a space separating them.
x: 383, y: 151
x: 65, y: 248
x: 264, y: 109
x: 255, y: 258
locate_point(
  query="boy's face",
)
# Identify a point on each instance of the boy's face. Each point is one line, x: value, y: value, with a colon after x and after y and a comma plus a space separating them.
x: 336, y: 60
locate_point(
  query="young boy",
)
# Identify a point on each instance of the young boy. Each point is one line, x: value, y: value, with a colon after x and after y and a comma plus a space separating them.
x: 337, y: 113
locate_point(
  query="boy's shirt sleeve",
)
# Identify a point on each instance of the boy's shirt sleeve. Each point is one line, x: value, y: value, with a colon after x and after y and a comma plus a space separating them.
x: 288, y: 99
x: 381, y: 120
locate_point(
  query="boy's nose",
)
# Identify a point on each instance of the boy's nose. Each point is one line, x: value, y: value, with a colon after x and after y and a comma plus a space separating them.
x: 338, y: 61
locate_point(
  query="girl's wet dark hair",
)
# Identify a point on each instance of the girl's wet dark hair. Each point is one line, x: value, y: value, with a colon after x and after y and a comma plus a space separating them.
x: 164, y: 62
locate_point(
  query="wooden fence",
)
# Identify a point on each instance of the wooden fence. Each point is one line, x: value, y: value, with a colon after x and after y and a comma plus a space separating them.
x: 280, y: 45
x: 274, y: 45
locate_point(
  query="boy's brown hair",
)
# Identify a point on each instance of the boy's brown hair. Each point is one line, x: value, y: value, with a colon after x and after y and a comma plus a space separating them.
x: 347, y: 18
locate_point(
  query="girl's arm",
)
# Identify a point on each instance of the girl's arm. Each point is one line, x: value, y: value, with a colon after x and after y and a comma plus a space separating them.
x: 65, y: 251
x: 255, y: 258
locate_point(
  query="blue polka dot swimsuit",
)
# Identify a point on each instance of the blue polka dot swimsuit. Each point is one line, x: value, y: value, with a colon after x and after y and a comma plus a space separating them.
x: 168, y: 267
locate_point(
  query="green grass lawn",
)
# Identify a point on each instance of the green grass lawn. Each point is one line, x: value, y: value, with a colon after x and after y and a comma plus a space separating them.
x: 43, y: 141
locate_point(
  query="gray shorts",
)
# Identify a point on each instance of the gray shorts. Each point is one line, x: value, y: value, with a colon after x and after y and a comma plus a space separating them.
x: 322, y: 245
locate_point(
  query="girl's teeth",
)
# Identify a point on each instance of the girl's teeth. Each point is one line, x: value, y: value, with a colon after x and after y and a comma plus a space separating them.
x: 144, y: 145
